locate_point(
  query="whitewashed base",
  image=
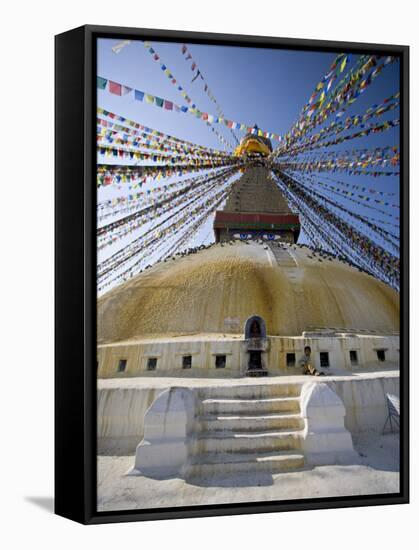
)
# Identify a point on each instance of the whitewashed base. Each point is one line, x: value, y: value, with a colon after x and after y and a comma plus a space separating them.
x: 326, y: 440
x: 163, y: 451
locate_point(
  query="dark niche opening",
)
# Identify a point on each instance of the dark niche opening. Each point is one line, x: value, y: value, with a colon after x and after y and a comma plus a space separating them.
x: 122, y: 365
x: 255, y: 327
x: 151, y: 363
x: 187, y: 361
x: 353, y: 355
x: 255, y: 360
x: 381, y: 355
x: 324, y: 359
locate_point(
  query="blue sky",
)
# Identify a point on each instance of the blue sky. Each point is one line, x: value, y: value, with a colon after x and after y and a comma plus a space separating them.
x: 252, y: 85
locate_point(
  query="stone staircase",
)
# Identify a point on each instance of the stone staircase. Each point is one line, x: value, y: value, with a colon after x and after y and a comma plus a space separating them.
x: 246, y: 430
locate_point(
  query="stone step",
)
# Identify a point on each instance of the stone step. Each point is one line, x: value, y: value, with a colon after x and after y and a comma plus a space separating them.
x: 250, y: 406
x: 230, y: 464
x: 250, y: 391
x: 230, y: 441
x: 248, y: 422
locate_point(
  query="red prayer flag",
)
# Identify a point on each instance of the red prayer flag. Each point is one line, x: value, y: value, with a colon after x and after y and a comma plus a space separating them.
x: 115, y: 88
x: 168, y: 105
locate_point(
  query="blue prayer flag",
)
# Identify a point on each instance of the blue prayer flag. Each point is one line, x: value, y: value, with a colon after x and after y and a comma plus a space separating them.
x: 139, y: 96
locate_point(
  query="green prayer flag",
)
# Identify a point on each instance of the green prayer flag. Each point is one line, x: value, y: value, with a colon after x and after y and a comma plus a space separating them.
x: 101, y: 82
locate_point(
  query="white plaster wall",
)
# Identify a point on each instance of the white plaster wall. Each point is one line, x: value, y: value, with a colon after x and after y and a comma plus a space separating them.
x: 365, y: 402
x: 121, y: 410
x: 120, y: 418
x: 169, y: 355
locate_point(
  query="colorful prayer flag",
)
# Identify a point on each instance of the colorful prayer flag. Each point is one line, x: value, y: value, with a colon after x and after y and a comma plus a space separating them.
x: 115, y: 88
x: 101, y: 82
x: 138, y: 95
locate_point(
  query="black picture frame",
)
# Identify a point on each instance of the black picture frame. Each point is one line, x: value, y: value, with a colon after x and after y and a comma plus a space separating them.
x: 75, y: 275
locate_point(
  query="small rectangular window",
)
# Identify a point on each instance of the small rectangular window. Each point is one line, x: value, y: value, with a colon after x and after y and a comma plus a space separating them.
x: 220, y: 361
x: 324, y: 358
x: 353, y: 356
x: 381, y: 355
x: 151, y: 363
x: 122, y: 365
x: 187, y: 361
x: 290, y: 359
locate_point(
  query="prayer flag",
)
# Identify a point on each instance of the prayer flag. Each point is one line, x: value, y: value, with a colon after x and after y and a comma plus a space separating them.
x: 330, y: 82
x: 139, y: 96
x: 149, y: 98
x: 168, y: 105
x: 101, y: 82
x: 312, y: 98
x: 159, y: 102
x: 312, y: 109
x: 115, y: 88
x: 118, y: 47
x: 125, y: 90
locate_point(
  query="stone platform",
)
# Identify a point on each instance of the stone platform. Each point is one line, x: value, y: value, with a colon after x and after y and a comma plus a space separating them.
x: 243, y: 440
x: 122, y: 403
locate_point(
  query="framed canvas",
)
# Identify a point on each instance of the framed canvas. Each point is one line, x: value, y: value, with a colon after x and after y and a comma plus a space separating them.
x: 231, y: 274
